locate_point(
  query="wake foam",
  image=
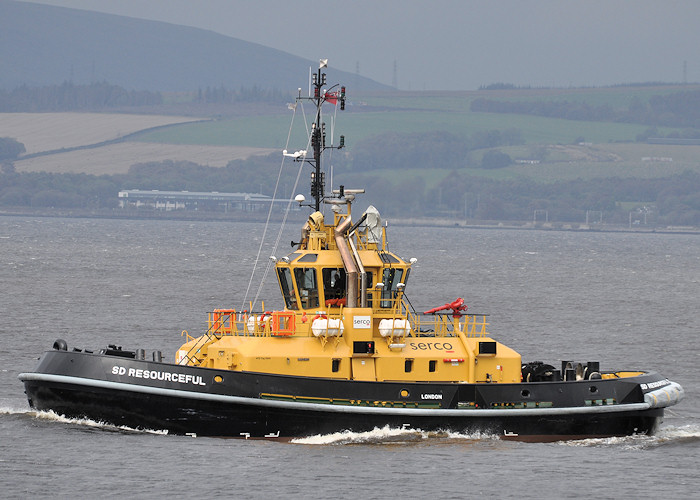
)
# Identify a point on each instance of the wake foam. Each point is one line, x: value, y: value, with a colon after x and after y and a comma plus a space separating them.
x: 86, y: 422
x: 671, y: 435
x: 9, y: 409
x: 390, y: 435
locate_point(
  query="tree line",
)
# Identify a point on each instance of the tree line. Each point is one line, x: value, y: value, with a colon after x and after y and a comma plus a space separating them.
x: 223, y: 95
x: 10, y: 148
x: 431, y: 150
x: 102, y: 95
x: 71, y: 97
x: 675, y: 199
x: 86, y: 191
x: 679, y: 109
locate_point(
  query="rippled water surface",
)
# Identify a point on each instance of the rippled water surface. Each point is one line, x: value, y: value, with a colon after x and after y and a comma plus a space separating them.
x: 627, y: 300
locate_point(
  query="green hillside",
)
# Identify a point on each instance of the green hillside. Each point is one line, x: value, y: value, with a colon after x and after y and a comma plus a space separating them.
x: 269, y: 131
x: 404, y: 112
x: 564, y: 149
x: 626, y: 153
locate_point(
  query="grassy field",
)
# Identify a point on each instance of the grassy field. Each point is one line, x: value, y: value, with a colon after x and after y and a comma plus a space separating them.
x: 40, y: 132
x: 609, y: 150
x: 49, y: 131
x: 404, y: 112
x: 272, y: 131
x: 550, y: 172
x: 118, y: 158
x: 616, y: 97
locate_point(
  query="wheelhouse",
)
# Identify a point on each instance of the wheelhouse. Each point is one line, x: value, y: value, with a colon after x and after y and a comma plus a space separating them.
x: 331, y: 271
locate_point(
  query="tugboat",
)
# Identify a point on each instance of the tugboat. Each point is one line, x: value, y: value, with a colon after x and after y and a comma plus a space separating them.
x: 346, y: 352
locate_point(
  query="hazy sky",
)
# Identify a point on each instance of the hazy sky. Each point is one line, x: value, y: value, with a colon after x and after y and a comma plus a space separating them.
x: 453, y: 44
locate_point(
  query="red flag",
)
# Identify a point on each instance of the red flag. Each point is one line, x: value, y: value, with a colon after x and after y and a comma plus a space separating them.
x: 331, y: 97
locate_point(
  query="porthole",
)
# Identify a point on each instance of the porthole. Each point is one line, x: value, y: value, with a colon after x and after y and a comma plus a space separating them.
x: 593, y: 389
x: 404, y: 393
x: 525, y: 393
x: 218, y: 379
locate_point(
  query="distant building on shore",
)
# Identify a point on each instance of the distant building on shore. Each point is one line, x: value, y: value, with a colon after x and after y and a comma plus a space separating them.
x: 198, y: 201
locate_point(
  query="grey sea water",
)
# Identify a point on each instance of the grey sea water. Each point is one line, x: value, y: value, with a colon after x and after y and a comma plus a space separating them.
x: 627, y: 300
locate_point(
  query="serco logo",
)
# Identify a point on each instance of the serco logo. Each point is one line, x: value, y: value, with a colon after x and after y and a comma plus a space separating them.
x: 361, y: 322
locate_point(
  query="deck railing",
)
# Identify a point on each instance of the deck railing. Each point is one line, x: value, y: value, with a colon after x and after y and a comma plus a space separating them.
x: 285, y: 323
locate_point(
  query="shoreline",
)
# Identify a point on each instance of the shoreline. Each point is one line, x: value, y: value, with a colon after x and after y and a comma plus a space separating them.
x: 296, y: 216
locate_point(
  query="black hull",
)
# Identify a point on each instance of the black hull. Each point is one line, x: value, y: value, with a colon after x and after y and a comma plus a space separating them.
x: 218, y: 403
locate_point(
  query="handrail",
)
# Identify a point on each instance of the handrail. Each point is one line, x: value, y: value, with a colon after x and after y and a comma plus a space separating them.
x: 260, y: 324
x: 227, y: 322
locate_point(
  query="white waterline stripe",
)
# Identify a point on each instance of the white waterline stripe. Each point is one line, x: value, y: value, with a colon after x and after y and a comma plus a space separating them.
x: 331, y: 408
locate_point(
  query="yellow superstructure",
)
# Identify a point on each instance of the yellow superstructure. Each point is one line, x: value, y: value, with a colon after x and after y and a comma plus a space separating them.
x: 345, y: 317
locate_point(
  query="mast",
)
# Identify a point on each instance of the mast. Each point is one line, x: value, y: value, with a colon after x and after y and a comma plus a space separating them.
x: 318, y: 130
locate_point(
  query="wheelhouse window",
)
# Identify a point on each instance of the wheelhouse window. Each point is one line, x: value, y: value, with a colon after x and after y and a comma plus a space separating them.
x: 370, y: 285
x: 287, y: 286
x: 307, y: 286
x: 333, y: 285
x: 391, y: 279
